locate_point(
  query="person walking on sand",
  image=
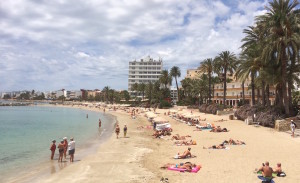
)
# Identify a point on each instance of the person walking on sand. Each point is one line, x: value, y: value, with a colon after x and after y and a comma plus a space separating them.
x: 117, y: 131
x: 293, y: 127
x: 71, y: 148
x: 52, y: 149
x: 125, y: 130
x: 65, y: 147
x: 61, y: 149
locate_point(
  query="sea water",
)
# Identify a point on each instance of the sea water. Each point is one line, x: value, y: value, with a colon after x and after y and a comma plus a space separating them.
x: 26, y: 134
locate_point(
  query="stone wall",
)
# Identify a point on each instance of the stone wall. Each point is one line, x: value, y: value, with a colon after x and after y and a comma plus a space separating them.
x: 282, y: 125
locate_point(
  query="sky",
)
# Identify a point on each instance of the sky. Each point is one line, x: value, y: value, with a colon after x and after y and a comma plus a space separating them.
x: 87, y: 44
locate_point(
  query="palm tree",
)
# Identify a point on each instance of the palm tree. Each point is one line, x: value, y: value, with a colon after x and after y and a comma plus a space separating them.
x: 149, y: 91
x: 175, y: 72
x: 165, y: 78
x: 141, y: 88
x: 225, y: 62
x: 106, y: 91
x: 134, y: 88
x: 207, y: 67
x: 279, y: 23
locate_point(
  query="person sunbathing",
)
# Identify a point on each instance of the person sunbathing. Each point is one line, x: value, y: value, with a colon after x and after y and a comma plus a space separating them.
x: 185, y: 154
x: 187, y: 165
x: 219, y: 129
x: 222, y: 120
x: 221, y: 146
x: 233, y: 142
x: 191, y: 142
x: 177, y: 137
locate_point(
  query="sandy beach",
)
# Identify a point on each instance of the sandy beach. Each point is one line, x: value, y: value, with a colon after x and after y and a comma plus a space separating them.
x: 139, y: 157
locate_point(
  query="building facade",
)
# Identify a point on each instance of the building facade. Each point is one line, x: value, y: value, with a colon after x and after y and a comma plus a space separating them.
x: 234, y: 93
x: 144, y: 71
x: 193, y: 73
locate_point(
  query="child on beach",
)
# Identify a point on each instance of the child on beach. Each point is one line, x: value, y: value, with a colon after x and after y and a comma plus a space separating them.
x: 117, y: 130
x: 52, y: 149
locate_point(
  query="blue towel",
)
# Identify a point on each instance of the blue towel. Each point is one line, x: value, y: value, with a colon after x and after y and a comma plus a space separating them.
x: 266, y: 179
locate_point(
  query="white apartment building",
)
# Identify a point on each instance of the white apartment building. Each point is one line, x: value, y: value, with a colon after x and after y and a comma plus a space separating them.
x: 174, y: 94
x: 74, y: 94
x: 144, y: 71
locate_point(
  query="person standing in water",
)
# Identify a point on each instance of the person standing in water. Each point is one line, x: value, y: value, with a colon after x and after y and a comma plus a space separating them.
x: 61, y: 149
x: 117, y: 130
x: 71, y: 148
x: 125, y: 130
x: 99, y: 123
x: 65, y: 147
x: 52, y: 149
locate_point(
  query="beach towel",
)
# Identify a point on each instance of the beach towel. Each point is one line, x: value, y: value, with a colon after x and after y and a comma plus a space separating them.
x: 282, y: 174
x: 266, y: 179
x: 177, y: 157
x: 194, y: 170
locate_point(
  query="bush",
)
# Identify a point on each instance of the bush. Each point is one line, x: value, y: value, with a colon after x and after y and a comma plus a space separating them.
x: 164, y: 104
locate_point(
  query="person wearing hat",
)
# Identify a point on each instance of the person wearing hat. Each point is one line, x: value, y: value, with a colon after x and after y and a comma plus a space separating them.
x: 293, y: 127
x: 52, y: 149
x: 66, y: 147
x: 61, y: 149
x: 71, y: 148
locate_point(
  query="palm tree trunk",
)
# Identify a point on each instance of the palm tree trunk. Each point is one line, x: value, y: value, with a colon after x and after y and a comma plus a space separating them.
x: 209, y: 88
x: 224, y: 93
x: 263, y: 93
x: 243, y: 92
x: 268, y: 95
x: 177, y: 89
x: 258, y: 95
x: 252, y: 89
x: 284, y: 88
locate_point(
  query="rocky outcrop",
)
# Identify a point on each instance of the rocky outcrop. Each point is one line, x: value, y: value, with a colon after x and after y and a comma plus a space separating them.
x: 211, y: 109
x: 266, y: 116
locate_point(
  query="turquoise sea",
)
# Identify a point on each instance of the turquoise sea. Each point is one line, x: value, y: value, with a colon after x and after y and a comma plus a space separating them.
x: 26, y: 134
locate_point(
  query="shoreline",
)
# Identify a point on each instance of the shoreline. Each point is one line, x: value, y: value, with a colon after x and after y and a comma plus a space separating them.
x: 138, y: 158
x: 45, y: 167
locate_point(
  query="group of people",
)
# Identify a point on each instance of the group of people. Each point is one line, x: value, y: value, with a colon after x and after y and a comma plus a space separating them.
x: 117, y: 130
x: 267, y: 171
x: 63, y: 147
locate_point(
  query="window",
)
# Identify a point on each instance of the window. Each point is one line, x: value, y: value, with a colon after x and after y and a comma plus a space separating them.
x: 232, y: 86
x: 232, y: 93
x: 217, y: 94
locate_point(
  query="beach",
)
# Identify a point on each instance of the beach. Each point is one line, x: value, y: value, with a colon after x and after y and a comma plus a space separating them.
x: 139, y: 157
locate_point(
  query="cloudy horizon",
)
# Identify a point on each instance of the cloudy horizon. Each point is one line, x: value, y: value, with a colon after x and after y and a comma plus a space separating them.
x: 50, y: 45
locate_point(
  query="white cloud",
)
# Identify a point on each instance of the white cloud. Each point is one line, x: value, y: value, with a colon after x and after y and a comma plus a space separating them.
x: 43, y: 43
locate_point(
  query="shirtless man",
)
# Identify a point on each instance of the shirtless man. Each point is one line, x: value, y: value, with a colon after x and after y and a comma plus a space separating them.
x: 61, y: 149
x: 266, y: 170
x: 185, y: 154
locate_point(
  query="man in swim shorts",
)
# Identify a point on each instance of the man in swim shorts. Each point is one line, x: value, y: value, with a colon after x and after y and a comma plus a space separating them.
x: 266, y: 170
x: 71, y: 148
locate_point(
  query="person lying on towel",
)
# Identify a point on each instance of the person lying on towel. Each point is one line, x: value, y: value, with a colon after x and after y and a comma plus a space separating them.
x: 221, y: 146
x: 187, y: 165
x: 187, y: 143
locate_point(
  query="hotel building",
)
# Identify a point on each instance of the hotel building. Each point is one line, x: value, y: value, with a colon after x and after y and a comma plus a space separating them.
x: 144, y: 71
